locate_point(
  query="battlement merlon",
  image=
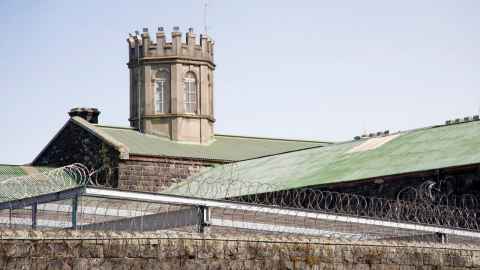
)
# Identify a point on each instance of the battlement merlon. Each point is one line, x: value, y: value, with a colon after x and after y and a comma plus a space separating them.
x: 142, y: 46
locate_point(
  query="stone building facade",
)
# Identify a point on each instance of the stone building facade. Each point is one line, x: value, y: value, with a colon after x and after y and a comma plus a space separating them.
x: 171, y: 86
x: 172, y: 137
x: 171, y: 118
x: 129, y: 159
x: 154, y: 174
x: 76, y: 143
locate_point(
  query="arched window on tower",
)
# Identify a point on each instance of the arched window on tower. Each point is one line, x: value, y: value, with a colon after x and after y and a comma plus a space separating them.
x: 190, y: 93
x: 161, y: 92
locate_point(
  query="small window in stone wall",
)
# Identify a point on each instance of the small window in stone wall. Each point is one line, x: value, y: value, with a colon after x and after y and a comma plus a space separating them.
x: 161, y: 92
x: 190, y: 93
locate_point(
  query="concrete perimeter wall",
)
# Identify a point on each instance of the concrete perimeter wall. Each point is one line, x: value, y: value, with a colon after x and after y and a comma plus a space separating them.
x: 97, y: 250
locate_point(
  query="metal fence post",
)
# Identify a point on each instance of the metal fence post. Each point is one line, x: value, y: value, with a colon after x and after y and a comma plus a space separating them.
x: 10, y: 215
x: 203, y: 218
x: 34, y: 215
x: 74, y: 212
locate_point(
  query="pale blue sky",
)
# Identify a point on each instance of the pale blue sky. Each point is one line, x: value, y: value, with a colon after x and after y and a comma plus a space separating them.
x: 326, y: 70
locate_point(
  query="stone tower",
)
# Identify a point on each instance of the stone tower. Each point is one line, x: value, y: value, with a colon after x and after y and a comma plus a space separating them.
x: 171, y: 85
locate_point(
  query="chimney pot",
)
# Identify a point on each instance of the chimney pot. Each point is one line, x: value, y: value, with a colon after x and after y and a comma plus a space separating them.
x: 89, y: 114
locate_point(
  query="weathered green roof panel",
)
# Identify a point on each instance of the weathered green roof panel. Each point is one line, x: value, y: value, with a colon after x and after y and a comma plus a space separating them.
x: 11, y: 170
x: 411, y: 151
x: 22, y: 181
x: 223, y: 148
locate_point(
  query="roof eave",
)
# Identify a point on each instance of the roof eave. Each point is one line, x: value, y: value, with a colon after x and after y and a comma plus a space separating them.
x: 391, y: 177
x: 120, y: 147
x: 210, y: 160
x: 50, y: 143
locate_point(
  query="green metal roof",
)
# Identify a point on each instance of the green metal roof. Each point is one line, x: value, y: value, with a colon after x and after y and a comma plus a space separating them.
x: 224, y: 147
x: 19, y: 182
x: 9, y: 171
x: 412, y: 151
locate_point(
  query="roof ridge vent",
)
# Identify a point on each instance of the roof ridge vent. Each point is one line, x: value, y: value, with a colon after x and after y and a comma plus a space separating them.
x: 462, y: 120
x: 373, y: 135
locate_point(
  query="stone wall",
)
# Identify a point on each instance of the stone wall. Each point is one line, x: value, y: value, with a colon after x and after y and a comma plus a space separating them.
x: 156, y: 174
x: 96, y: 250
x: 74, y: 144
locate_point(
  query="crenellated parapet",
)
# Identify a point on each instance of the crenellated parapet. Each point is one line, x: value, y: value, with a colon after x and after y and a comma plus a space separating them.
x: 144, y: 47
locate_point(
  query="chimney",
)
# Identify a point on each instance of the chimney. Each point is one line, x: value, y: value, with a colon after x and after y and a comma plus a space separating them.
x: 89, y: 114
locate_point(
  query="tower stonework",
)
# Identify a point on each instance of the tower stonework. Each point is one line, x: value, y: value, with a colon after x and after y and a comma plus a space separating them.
x: 171, y: 86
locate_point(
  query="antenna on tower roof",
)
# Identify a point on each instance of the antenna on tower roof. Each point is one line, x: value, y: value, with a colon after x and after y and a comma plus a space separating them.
x: 205, y: 8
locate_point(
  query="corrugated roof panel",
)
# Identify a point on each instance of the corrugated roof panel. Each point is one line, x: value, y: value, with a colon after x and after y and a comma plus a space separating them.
x: 418, y: 150
x: 227, y: 148
x: 19, y: 182
x: 10, y: 171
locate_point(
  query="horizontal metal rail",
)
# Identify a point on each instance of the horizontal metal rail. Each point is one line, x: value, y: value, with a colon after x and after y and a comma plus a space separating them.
x: 91, y: 210
x: 47, y: 223
x: 179, y: 200
x: 159, y: 221
x: 282, y: 228
x: 45, y: 198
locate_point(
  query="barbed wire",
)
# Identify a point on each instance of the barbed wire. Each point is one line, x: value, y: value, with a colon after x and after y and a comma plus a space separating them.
x: 245, y: 206
x: 438, y: 193
x: 226, y: 182
x: 427, y: 203
x: 371, y: 207
x: 424, y: 205
x: 44, y: 182
x: 106, y: 214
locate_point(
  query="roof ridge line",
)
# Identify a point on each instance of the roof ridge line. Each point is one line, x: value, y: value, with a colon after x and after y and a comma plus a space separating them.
x: 284, y: 153
x: 303, y: 149
x: 113, y: 126
x: 270, y: 138
x: 331, y: 144
x: 424, y: 128
x: 120, y: 147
